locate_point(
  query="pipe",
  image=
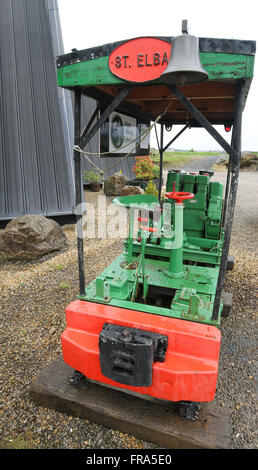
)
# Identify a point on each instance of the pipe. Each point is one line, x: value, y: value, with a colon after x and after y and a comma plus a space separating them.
x: 174, y: 241
x: 78, y: 190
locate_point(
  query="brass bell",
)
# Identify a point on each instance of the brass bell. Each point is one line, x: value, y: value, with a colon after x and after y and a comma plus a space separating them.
x: 184, y: 67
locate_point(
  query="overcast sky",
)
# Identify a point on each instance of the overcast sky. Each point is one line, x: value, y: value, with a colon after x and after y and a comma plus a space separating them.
x: 93, y: 23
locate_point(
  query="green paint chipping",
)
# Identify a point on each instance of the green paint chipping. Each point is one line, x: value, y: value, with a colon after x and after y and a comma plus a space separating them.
x: 96, y: 71
x: 88, y: 73
x: 227, y: 66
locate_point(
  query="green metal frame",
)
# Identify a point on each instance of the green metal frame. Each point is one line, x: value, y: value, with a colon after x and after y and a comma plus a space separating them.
x: 115, y: 285
x: 96, y: 71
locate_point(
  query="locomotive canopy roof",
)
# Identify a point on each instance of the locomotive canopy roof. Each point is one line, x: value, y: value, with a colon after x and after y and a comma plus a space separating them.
x: 101, y: 72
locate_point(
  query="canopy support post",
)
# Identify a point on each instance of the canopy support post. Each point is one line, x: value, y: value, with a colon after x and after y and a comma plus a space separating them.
x: 234, y: 152
x: 204, y: 123
x: 234, y: 168
x: 81, y: 141
x: 176, y: 137
x: 109, y: 109
x: 225, y: 205
x: 161, y: 158
x: 78, y: 189
x: 88, y: 125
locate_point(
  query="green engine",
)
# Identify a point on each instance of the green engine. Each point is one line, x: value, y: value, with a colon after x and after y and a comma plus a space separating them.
x: 202, y: 214
x: 171, y: 257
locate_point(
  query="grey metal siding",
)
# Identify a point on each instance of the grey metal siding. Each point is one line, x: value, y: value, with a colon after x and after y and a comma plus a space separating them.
x: 36, y: 116
x: 34, y: 164
x: 65, y: 102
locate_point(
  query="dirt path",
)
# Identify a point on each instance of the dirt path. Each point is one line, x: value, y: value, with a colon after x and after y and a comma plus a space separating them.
x: 204, y: 163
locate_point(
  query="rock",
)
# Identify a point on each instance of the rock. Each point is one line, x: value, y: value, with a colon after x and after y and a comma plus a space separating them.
x: 131, y: 190
x: 29, y: 237
x: 114, y: 184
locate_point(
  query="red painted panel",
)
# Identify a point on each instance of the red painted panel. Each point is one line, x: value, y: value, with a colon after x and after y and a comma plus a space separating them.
x: 191, y: 365
x: 140, y: 60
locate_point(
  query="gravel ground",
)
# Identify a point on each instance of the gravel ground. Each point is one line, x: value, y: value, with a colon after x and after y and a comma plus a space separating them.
x: 33, y: 297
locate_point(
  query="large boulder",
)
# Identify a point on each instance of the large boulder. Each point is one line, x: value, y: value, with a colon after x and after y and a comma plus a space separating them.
x: 114, y: 184
x: 130, y: 190
x: 29, y: 237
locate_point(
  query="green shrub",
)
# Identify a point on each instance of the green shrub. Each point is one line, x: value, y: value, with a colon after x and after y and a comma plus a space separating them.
x: 151, y: 189
x: 145, y: 168
x: 91, y: 176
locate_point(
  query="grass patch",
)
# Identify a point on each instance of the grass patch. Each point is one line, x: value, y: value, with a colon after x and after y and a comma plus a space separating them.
x: 57, y: 267
x: 21, y: 441
x: 64, y: 285
x: 249, y: 161
x: 219, y: 167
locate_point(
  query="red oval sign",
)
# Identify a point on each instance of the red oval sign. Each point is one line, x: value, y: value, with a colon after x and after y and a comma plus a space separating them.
x: 140, y: 59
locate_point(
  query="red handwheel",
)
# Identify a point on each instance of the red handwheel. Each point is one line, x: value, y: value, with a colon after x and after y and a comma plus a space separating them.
x: 179, y: 196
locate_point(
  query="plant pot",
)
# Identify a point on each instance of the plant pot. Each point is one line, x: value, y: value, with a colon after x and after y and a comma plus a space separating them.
x: 95, y: 186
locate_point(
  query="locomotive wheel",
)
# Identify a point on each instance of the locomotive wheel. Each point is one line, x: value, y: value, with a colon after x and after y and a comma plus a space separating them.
x: 189, y: 409
x: 78, y: 379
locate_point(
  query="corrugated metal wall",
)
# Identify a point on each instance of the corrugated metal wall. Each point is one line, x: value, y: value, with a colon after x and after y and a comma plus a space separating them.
x: 36, y: 116
x: 34, y: 167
